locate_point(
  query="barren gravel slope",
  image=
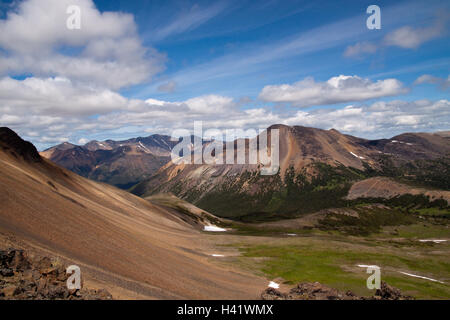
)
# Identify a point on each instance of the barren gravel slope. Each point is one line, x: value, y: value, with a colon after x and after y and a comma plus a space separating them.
x: 382, y: 187
x: 113, y: 235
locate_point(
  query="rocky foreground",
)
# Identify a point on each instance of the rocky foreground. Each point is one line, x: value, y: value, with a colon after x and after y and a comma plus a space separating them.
x: 38, y: 278
x: 318, y: 291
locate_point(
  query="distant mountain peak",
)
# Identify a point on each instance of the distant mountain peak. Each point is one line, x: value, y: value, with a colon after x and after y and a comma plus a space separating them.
x: 121, y: 163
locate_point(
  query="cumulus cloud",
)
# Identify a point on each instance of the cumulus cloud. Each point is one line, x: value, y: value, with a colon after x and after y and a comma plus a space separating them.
x: 214, y: 110
x: 70, y: 93
x: 206, y: 104
x: 211, y: 104
x: 106, y: 51
x: 443, y: 83
x: 339, y: 89
x: 53, y: 140
x: 56, y: 96
x: 53, y: 110
x: 48, y: 109
x: 380, y: 119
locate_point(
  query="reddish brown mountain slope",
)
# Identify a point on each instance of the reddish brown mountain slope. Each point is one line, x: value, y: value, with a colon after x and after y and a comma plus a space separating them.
x: 118, y: 239
x: 120, y: 163
x: 320, y: 164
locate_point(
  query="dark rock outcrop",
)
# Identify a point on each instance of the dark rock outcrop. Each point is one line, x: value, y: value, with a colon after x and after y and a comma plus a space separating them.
x: 318, y: 291
x: 39, y: 278
x: 273, y: 294
x: 12, y: 143
x: 387, y: 292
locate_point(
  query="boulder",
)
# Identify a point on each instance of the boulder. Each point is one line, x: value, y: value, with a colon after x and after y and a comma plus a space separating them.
x: 272, y: 294
x: 387, y: 292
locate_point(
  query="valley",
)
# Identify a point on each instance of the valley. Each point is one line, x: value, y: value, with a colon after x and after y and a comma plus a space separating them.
x: 121, y: 242
x: 292, y: 251
x: 316, y: 221
x: 208, y: 156
x: 317, y: 170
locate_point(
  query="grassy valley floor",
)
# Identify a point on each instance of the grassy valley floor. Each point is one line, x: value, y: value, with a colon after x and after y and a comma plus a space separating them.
x: 289, y: 254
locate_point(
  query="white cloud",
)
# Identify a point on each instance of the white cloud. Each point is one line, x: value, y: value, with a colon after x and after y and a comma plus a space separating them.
x: 83, y: 141
x: 381, y: 119
x: 168, y: 87
x: 71, y: 93
x: 359, y: 49
x: 53, y: 140
x: 406, y: 37
x: 53, y: 110
x: 56, y: 96
x: 211, y: 104
x: 443, y: 83
x: 407, y: 120
x: 202, y: 105
x: 9, y: 119
x: 50, y: 111
x: 106, y: 51
x: 214, y: 110
x: 411, y: 38
x: 336, y: 90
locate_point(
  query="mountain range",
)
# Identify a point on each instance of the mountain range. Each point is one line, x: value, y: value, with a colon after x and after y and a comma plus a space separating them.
x: 120, y: 163
x: 132, y: 247
x: 317, y: 169
x: 155, y: 246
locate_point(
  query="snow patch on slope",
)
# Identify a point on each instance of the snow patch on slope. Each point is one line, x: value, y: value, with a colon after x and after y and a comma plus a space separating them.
x: 213, y: 228
x: 273, y: 285
x: 432, y: 240
x: 367, y: 266
x: 421, y: 277
x: 355, y: 155
x: 143, y: 147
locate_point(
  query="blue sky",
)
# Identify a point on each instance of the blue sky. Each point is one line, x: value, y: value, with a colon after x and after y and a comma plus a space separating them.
x: 141, y: 67
x: 219, y: 34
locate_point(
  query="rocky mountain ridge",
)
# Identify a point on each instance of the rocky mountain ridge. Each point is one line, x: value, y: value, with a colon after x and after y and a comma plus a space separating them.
x: 120, y: 163
x: 317, y: 168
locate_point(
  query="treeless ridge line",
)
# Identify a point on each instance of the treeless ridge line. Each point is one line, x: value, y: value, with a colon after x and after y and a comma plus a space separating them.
x: 115, y: 235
